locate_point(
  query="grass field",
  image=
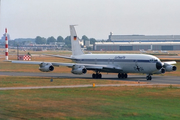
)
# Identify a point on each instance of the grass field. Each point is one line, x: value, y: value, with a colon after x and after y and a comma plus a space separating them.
x: 20, y: 81
x: 126, y: 103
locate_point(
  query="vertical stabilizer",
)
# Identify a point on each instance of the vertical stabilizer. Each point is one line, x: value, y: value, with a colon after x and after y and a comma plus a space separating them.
x: 76, y: 48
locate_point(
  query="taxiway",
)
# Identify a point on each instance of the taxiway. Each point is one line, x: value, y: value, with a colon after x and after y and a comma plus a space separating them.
x: 141, y: 78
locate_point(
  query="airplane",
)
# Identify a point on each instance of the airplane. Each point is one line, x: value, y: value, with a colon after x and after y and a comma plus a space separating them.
x: 122, y: 64
x: 142, y: 51
x: 155, y: 51
x: 164, y: 51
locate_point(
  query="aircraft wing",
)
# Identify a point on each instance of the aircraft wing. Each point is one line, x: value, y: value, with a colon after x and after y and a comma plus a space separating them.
x: 59, y: 56
x: 87, y: 66
x: 169, y: 62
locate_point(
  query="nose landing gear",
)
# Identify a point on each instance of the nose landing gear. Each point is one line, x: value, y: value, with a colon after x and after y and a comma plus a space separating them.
x: 148, y: 77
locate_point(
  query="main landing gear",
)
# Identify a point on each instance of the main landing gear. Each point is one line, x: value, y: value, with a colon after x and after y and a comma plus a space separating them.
x: 122, y: 75
x: 97, y: 76
x: 148, y: 77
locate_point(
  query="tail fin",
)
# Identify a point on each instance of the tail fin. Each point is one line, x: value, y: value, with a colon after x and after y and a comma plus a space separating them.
x: 76, y: 48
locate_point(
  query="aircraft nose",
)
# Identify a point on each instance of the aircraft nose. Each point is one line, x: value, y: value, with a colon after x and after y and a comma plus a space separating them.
x: 159, y: 65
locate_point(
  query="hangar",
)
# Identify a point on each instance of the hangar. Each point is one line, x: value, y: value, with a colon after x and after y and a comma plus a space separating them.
x: 139, y: 42
x: 144, y: 38
x: 136, y: 46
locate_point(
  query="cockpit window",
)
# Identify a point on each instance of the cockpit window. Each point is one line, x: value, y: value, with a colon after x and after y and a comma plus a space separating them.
x: 153, y: 60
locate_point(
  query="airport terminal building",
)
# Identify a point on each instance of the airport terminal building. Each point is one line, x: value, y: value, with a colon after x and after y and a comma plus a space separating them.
x: 139, y: 42
x: 136, y: 46
x: 144, y: 38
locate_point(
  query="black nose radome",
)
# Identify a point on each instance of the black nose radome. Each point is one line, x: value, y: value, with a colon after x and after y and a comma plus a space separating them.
x: 159, y: 65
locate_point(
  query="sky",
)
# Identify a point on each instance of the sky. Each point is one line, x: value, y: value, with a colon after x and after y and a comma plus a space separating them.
x: 95, y: 18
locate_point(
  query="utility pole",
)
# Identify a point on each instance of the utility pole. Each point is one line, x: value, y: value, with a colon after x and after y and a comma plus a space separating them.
x: 0, y: 19
x: 17, y: 52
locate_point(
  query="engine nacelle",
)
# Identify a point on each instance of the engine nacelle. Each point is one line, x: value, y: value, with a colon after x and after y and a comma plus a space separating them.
x: 161, y: 71
x: 46, y: 67
x: 170, y: 68
x: 78, y: 70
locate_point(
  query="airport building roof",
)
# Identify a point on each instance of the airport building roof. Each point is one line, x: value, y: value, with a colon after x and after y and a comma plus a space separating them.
x: 144, y: 38
x: 136, y: 43
x: 118, y: 46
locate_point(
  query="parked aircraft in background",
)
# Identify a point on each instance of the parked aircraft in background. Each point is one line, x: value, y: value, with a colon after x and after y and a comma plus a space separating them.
x: 155, y: 51
x: 164, y: 51
x: 122, y: 64
x: 142, y: 51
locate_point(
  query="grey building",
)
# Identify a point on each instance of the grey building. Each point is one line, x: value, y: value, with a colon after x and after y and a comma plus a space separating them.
x: 144, y: 38
x: 136, y: 46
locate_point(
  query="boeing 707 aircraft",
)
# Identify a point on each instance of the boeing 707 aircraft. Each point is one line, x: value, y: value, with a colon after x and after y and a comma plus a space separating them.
x: 122, y: 64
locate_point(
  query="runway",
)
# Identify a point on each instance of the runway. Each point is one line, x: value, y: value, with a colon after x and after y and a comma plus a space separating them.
x: 142, y: 78
x: 175, y: 57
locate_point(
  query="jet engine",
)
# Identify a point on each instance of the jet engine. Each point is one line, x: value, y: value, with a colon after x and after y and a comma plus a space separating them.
x: 170, y: 68
x: 161, y: 71
x: 78, y: 69
x: 46, y: 67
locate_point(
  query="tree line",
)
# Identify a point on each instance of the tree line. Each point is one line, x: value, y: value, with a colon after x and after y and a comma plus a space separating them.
x: 42, y: 40
x: 67, y: 40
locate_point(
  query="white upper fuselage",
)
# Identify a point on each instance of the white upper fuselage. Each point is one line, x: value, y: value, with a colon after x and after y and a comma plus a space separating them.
x: 129, y: 63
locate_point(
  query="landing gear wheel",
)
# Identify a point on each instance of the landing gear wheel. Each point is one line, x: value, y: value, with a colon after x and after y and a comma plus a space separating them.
x: 122, y: 75
x: 99, y: 76
x: 149, y: 77
x: 93, y: 76
x: 96, y: 76
x: 125, y: 76
x: 119, y: 75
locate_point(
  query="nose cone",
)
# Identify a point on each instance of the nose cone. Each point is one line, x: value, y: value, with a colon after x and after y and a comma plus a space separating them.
x: 159, y: 65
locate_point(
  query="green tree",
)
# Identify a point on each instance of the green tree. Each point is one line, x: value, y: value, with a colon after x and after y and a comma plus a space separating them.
x: 85, y: 38
x: 92, y: 40
x: 40, y: 40
x: 103, y: 40
x: 89, y: 48
x: 68, y: 41
x: 51, y: 39
x: 60, y: 39
x: 15, y: 43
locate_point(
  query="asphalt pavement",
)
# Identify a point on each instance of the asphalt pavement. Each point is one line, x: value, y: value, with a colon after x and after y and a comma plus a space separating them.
x: 142, y: 78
